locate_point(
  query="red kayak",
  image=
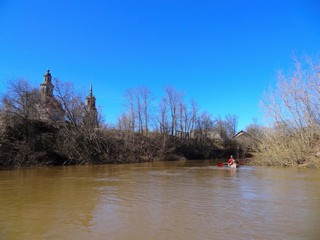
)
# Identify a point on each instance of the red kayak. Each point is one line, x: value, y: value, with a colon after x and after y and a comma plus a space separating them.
x: 226, y: 165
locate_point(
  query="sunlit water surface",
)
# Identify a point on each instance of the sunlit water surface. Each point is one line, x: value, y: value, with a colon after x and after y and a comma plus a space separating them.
x: 170, y: 200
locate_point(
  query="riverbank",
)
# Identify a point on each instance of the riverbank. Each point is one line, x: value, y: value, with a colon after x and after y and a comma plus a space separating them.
x: 261, y: 160
x: 35, y: 143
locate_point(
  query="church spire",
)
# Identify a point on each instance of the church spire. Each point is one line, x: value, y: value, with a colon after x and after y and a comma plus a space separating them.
x: 90, y: 90
x: 91, y: 100
x: 91, y: 117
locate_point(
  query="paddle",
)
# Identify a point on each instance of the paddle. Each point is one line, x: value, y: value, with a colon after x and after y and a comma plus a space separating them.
x: 222, y: 164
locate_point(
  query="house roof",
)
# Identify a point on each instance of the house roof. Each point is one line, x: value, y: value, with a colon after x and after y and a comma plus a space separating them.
x: 240, y: 134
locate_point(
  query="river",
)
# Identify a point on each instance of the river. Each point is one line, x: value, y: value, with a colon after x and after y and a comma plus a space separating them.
x: 162, y: 200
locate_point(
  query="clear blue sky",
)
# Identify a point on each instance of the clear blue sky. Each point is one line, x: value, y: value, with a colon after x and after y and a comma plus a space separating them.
x: 224, y: 53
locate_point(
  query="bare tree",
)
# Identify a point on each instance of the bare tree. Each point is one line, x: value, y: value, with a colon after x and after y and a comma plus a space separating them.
x: 139, y: 112
x: 174, y: 99
x: 129, y: 96
x: 20, y: 123
x: 124, y: 123
x: 143, y: 104
x: 193, y: 116
x: 231, y: 122
x: 21, y: 99
x: 71, y: 102
x: 163, y: 117
x: 20, y: 105
x: 206, y: 121
x: 221, y: 128
x: 146, y: 97
x: 292, y: 109
x: 139, y: 102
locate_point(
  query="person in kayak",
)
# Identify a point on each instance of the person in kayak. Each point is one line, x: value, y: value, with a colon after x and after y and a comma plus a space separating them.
x: 231, y: 161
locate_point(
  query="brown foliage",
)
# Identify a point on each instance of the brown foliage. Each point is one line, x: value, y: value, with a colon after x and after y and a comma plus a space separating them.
x: 292, y: 108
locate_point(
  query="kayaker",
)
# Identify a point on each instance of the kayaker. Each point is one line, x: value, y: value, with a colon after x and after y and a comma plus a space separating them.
x: 231, y: 161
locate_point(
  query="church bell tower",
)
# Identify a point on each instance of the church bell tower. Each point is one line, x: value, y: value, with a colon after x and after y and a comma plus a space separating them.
x: 46, y: 88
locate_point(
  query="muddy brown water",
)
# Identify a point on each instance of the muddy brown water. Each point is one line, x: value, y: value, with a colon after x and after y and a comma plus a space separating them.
x: 163, y: 200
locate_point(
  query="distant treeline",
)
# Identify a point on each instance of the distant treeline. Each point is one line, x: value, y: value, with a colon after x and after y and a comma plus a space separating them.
x: 32, y: 134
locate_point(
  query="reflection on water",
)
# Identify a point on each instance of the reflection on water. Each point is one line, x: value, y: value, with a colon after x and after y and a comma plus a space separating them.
x: 170, y: 200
